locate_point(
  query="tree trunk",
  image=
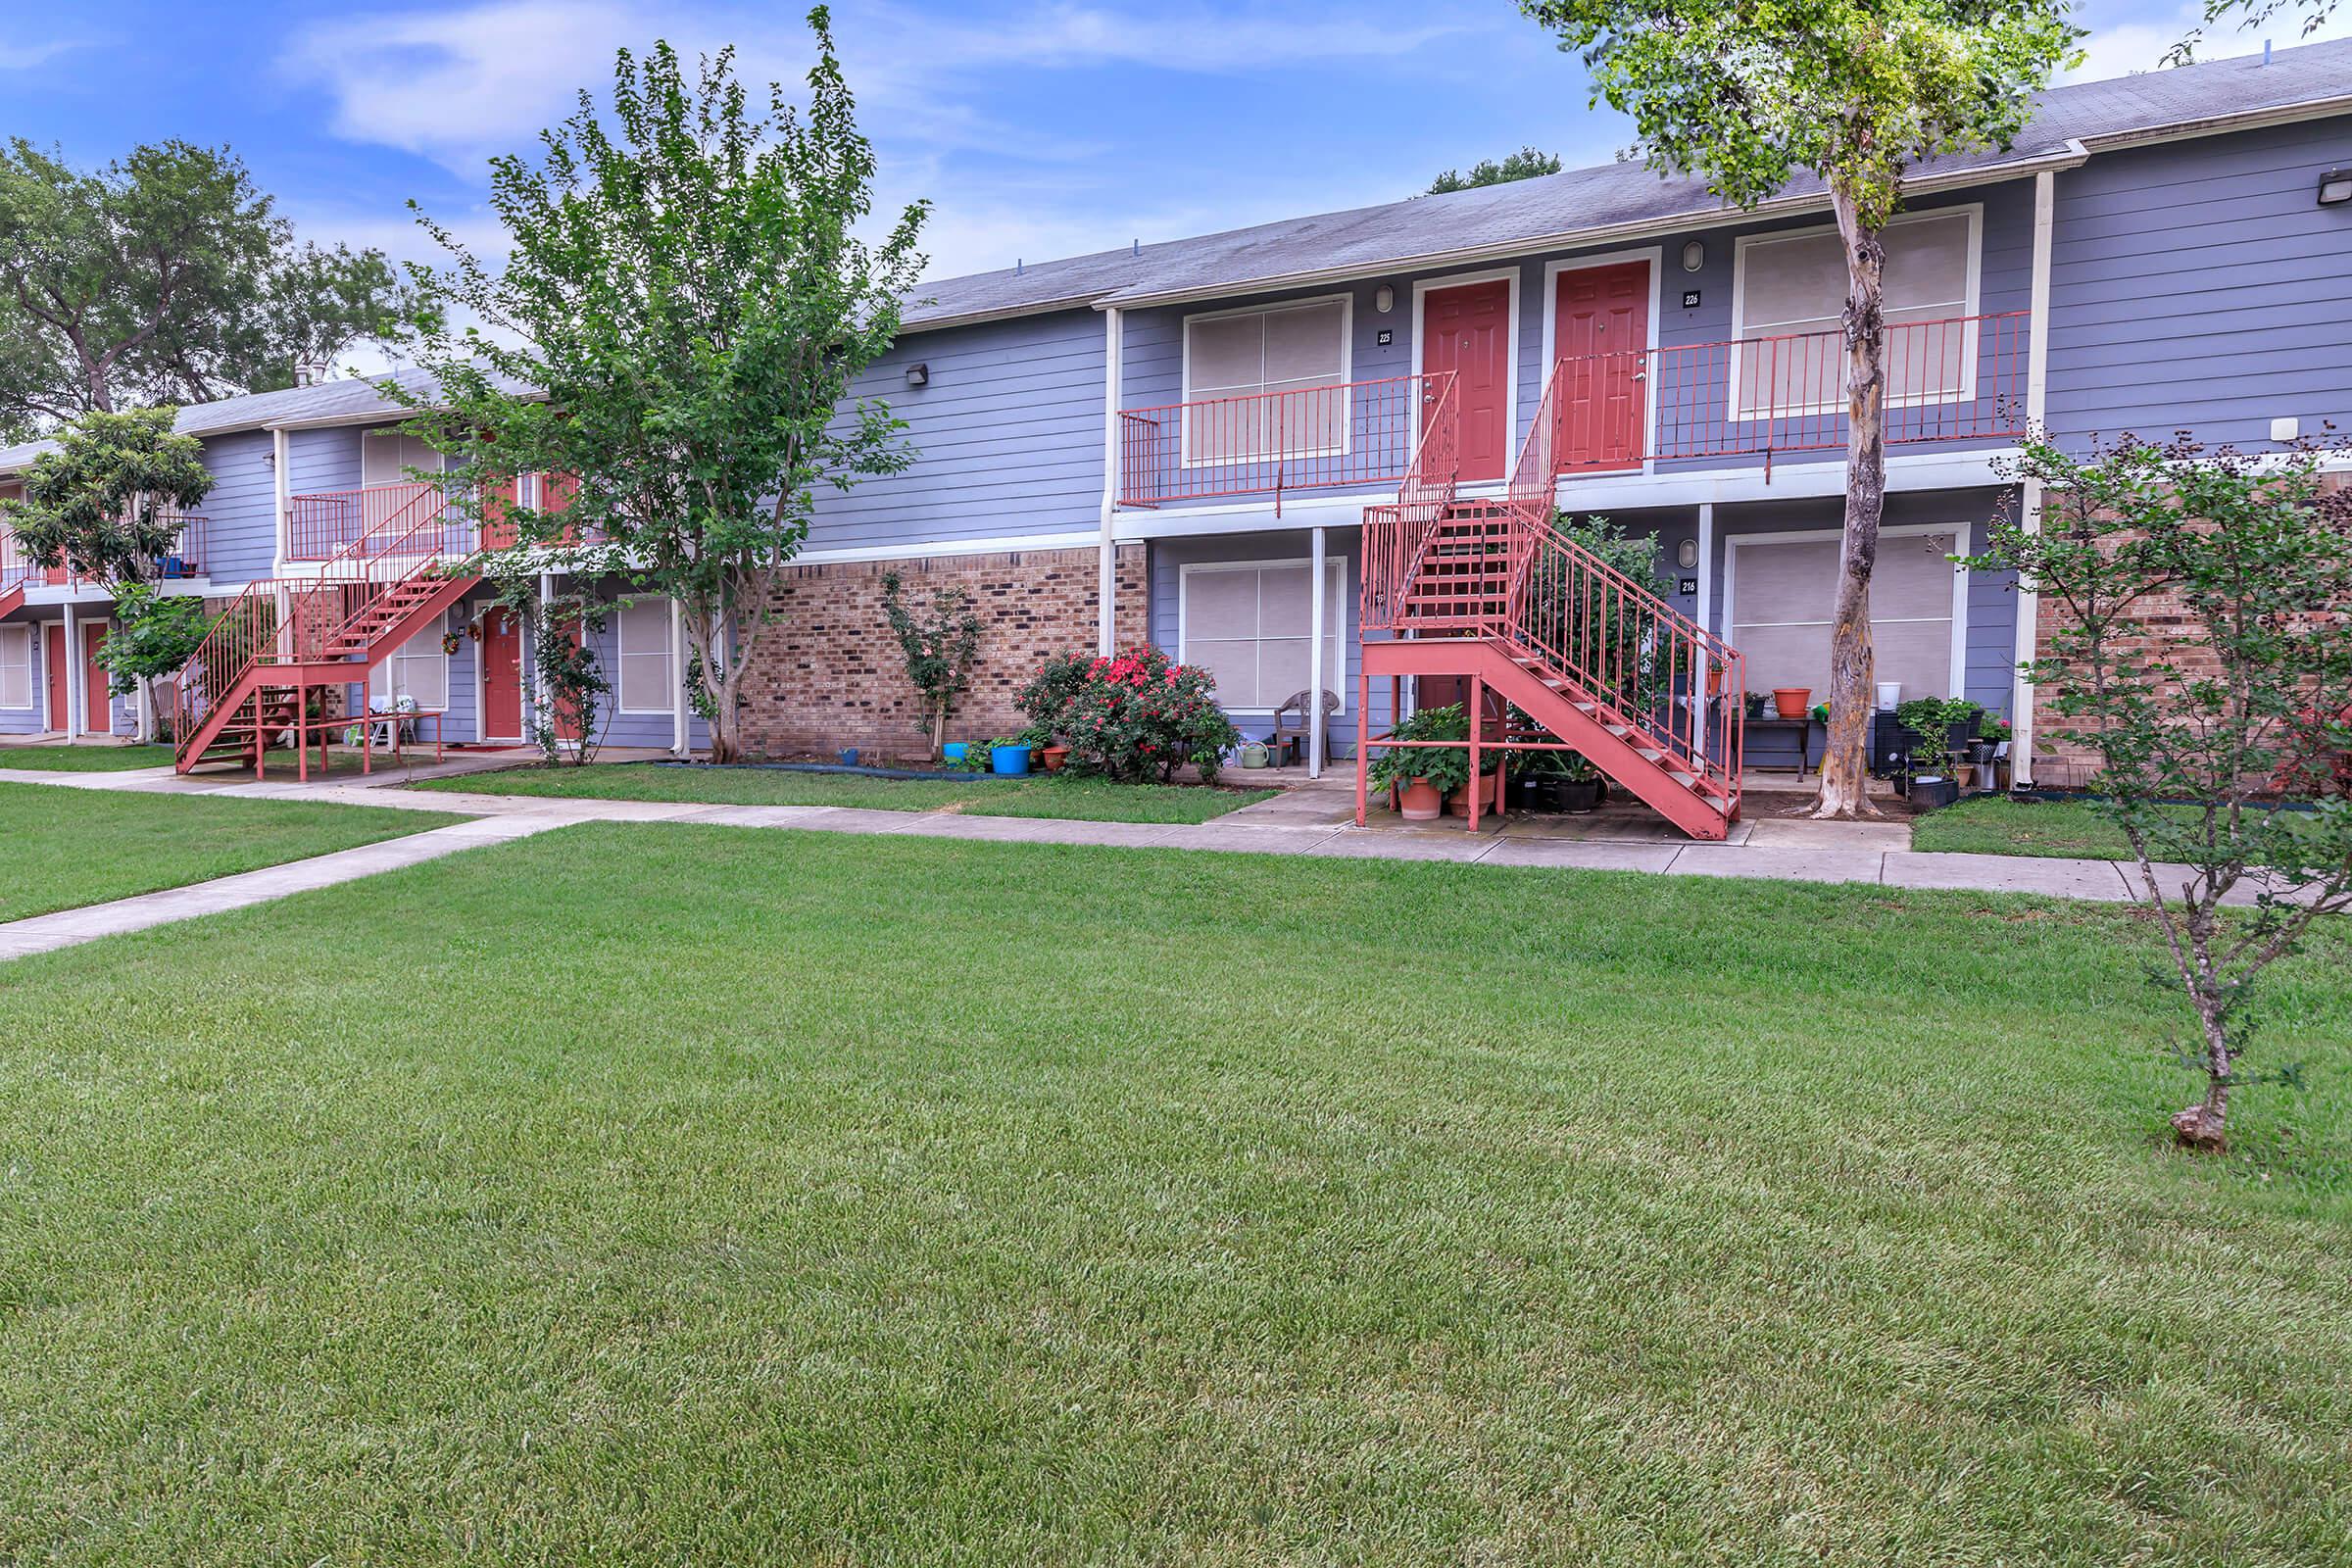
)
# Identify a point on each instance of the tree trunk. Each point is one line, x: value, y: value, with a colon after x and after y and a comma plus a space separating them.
x: 1845, y: 759
x: 717, y: 679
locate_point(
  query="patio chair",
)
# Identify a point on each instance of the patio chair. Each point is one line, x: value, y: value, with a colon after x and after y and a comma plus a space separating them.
x: 1293, y: 725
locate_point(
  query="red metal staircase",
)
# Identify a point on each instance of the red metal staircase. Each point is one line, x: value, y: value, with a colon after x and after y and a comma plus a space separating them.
x: 1490, y: 591
x: 286, y: 642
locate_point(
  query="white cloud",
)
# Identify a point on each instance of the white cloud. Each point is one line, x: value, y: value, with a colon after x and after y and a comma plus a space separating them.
x: 2139, y: 45
x: 26, y: 56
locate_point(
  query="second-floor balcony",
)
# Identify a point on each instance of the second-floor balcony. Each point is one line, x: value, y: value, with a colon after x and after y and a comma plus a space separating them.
x: 411, y: 518
x: 184, y: 558
x: 1736, y: 403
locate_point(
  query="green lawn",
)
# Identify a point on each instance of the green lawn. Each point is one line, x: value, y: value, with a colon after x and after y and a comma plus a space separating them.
x: 85, y: 759
x: 1999, y: 826
x: 670, y: 1194
x: 70, y: 846
x: 1057, y: 797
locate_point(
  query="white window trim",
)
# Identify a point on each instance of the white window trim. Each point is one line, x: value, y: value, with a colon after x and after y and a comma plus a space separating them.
x: 621, y: 656
x: 1424, y: 286
x: 31, y: 668
x: 1956, y: 672
x: 1655, y: 256
x: 1972, y: 306
x: 1184, y: 339
x: 1335, y: 611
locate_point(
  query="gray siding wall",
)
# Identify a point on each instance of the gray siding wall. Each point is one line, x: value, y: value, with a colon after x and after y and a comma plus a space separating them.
x: 1007, y: 433
x: 2200, y: 285
x: 241, y: 512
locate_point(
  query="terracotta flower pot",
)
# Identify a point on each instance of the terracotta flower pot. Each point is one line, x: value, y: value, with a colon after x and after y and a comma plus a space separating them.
x: 1458, y: 803
x: 1052, y: 756
x: 1794, y: 701
x: 1421, y: 802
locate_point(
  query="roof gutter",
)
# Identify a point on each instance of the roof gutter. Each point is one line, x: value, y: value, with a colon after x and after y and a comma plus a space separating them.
x: 2072, y: 154
x: 2218, y: 124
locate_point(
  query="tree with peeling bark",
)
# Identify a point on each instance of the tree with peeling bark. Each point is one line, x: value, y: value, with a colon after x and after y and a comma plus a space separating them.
x: 2203, y: 653
x: 683, y: 311
x: 1751, y: 96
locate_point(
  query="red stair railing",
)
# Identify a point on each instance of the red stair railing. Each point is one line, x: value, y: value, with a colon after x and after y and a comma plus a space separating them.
x: 416, y: 537
x: 1397, y: 533
x: 1676, y: 687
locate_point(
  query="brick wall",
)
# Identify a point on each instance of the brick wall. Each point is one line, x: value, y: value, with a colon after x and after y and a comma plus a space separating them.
x: 2063, y: 758
x: 828, y: 673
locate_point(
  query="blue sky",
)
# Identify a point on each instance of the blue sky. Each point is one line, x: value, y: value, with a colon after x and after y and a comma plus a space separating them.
x: 1040, y: 127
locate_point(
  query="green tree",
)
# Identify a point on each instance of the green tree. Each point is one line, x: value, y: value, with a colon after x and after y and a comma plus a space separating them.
x: 1525, y: 164
x: 689, y: 301
x: 164, y: 277
x: 1750, y: 94
x: 940, y: 644
x: 2204, y: 654
x: 105, y: 499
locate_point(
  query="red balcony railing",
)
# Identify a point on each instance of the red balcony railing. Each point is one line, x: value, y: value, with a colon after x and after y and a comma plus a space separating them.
x: 332, y: 524
x: 183, y: 558
x: 1353, y: 435
x: 1959, y: 378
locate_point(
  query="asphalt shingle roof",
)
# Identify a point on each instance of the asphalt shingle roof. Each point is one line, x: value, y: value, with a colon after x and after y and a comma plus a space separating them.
x: 1558, y: 207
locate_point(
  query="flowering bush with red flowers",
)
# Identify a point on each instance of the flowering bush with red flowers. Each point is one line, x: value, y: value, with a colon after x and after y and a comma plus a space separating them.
x: 1132, y: 715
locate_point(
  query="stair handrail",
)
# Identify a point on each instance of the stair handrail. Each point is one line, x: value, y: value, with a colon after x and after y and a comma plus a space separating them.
x: 1397, y: 533
x: 412, y: 539
x: 1642, y: 663
x: 232, y: 645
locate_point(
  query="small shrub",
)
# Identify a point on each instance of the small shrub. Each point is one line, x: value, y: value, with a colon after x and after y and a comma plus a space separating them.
x: 1137, y: 715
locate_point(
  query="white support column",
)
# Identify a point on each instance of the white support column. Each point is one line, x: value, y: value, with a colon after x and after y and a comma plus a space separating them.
x: 278, y: 448
x: 539, y: 691
x: 679, y: 734
x: 1707, y: 617
x: 2037, y: 398
x: 1315, y: 658
x: 76, y: 698
x: 1107, y: 578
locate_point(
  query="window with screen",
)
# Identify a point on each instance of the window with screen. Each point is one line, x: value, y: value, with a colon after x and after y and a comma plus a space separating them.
x: 646, y: 685
x: 1298, y: 353
x: 417, y: 669
x: 1789, y: 306
x: 15, y: 666
x: 1249, y: 627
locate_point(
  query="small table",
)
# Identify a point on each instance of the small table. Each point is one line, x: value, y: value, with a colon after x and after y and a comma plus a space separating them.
x: 369, y: 719
x: 1804, y: 736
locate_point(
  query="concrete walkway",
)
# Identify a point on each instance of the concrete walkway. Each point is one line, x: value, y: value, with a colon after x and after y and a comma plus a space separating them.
x: 1310, y: 821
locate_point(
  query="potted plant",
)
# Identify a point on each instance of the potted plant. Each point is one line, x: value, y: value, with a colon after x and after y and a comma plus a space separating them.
x: 1755, y: 704
x: 1791, y: 700
x: 1040, y: 740
x: 1931, y: 721
x: 953, y: 752
x: 1009, y: 757
x: 1424, y: 775
x: 1580, y: 788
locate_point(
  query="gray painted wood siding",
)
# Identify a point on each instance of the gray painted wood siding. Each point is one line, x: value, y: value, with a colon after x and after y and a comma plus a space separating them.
x: 1007, y: 433
x: 2200, y: 285
x: 241, y: 512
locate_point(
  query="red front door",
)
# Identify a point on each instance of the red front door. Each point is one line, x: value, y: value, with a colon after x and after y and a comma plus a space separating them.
x: 1467, y: 329
x: 497, y: 532
x: 501, y: 676
x: 53, y: 660
x: 1601, y: 333
x: 98, y: 708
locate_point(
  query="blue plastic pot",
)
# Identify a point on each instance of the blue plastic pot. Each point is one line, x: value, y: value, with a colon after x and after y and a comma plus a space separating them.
x: 953, y: 751
x: 1010, y: 761
x: 848, y: 756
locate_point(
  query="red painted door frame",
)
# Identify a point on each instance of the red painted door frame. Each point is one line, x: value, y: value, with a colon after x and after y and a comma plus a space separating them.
x: 1466, y: 328
x: 52, y: 666
x: 1600, y: 330
x: 501, y: 675
x: 97, y: 707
